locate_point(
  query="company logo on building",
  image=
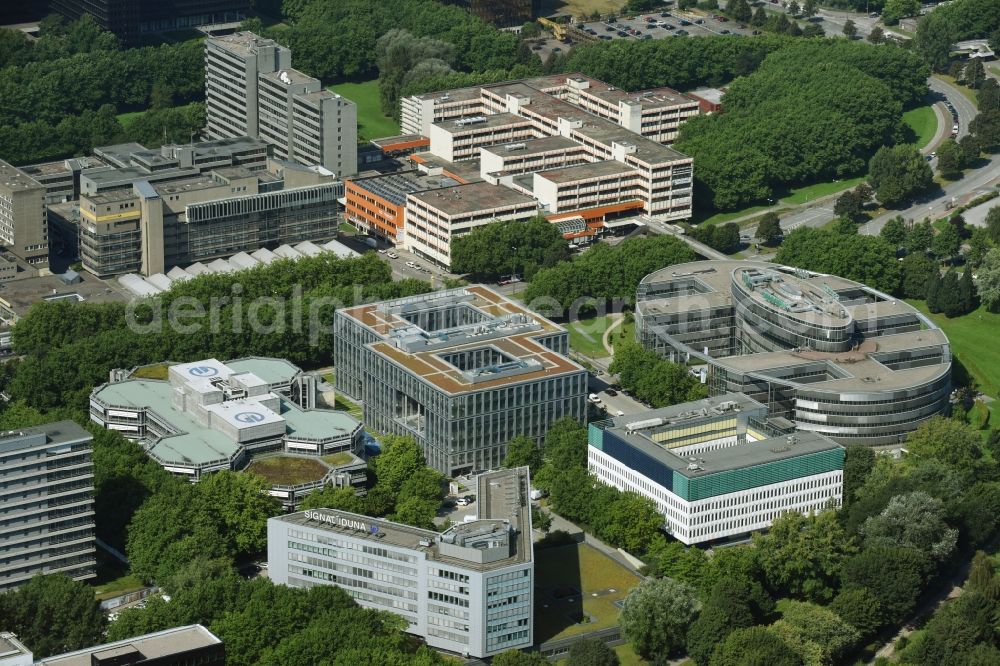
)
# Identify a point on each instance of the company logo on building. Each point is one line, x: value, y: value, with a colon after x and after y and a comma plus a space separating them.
x: 249, y: 417
x: 203, y: 371
x: 342, y: 521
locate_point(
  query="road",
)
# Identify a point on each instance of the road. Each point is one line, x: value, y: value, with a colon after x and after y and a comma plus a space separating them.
x: 963, y: 105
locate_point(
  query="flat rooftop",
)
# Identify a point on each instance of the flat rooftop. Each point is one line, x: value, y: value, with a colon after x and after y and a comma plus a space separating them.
x: 19, y: 294
x: 244, y: 43
x: 502, y: 496
x: 394, y: 187
x: 12, y: 178
x: 587, y: 171
x: 466, y: 171
x: 728, y: 458
x: 860, y: 368
x: 483, y: 122
x: 152, y: 646
x: 507, y: 328
x: 294, y: 77
x: 471, y: 198
x: 724, y: 405
x: 549, y: 144
x: 58, y: 432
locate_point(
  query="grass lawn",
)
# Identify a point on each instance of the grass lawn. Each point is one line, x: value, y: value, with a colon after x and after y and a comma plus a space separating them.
x: 348, y: 228
x: 973, y: 342
x: 923, y: 121
x: 372, y: 123
x: 113, y: 578
x: 288, y: 470
x: 126, y: 119
x: 721, y: 218
x: 585, y: 336
x: 158, y: 371
x: 337, y: 459
x: 573, y: 582
x: 349, y: 406
x: 578, y: 7
x: 807, y: 193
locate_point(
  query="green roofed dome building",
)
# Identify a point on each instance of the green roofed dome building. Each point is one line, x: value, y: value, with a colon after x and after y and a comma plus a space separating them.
x: 719, y: 468
x: 208, y: 416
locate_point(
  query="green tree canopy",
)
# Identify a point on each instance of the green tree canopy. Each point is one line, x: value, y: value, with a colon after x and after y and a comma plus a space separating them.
x: 867, y: 259
x: 53, y: 614
x: 898, y: 173
x: 754, y: 645
x: 509, y: 248
x: 657, y: 614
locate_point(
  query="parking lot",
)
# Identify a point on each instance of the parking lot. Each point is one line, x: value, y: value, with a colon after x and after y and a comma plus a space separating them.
x: 654, y: 25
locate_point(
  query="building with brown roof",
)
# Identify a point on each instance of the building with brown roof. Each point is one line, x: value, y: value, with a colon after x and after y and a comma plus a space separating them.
x: 462, y: 371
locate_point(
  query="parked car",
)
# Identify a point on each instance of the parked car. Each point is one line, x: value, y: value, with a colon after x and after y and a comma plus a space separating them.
x: 392, y: 255
x: 611, y: 392
x: 594, y: 398
x: 461, y: 501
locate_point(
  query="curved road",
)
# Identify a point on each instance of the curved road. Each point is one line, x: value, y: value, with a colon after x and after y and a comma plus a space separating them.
x: 963, y: 105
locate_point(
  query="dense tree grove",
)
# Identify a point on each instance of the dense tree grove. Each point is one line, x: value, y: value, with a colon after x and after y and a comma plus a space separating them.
x: 69, y: 348
x: 846, y: 574
x: 508, y: 248
x: 53, y: 614
x: 59, y: 96
x: 653, y: 379
x: 337, y: 40
x: 867, y: 259
x: 897, y: 173
x: 263, y: 623
x: 813, y: 110
x: 683, y: 64
x: 404, y: 488
x: 603, y: 275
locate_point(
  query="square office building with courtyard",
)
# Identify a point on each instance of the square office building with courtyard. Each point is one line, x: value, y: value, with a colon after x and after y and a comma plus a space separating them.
x: 717, y: 468
x: 467, y: 590
x: 462, y: 371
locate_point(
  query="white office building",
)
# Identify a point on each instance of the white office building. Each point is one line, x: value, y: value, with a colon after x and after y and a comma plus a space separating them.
x: 717, y: 468
x: 467, y: 590
x: 252, y: 90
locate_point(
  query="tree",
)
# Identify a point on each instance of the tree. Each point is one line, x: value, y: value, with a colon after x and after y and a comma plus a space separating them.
x: 898, y: 173
x: 920, y: 237
x: 918, y: 269
x: 975, y: 73
x: 953, y: 443
x: 513, y: 657
x: 969, y: 146
x: 523, y: 451
x: 859, y: 607
x: 630, y: 521
x: 877, y: 35
x: 993, y: 224
x: 241, y: 506
x: 897, y: 9
x: 914, y: 520
x: 769, y: 229
x: 739, y: 10
x: 933, y: 292
x: 759, y: 18
x: 967, y: 296
x: 793, y: 8
x: 850, y: 29
x: 733, y: 603
x: 956, y: 630
x: 53, y: 614
x: 979, y: 245
x: 986, y: 128
x: 988, y: 95
x: 849, y: 207
x: 656, y: 615
x: 982, y: 577
x: 895, y: 575
x: 934, y: 38
x: 802, y: 555
x: 894, y: 231
x: 498, y: 249
x: 867, y: 259
x: 754, y: 645
x: 858, y: 463
x: 816, y: 634
x: 946, y: 243
x: 809, y: 8
x: 652, y: 379
x: 592, y: 652
x: 950, y: 160
x: 988, y: 282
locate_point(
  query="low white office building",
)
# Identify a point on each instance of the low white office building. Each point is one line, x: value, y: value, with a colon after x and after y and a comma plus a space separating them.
x: 467, y: 590
x: 717, y: 468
